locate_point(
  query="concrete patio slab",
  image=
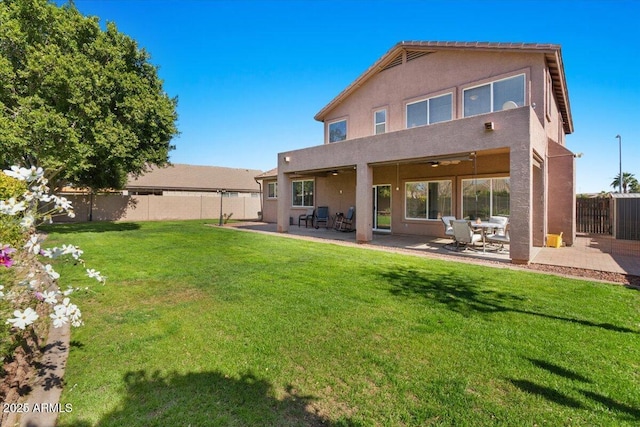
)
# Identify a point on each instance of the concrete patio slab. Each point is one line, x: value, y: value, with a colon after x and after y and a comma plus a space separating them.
x: 595, y: 252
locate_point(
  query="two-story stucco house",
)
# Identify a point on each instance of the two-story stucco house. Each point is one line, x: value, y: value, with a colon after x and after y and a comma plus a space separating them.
x: 435, y: 129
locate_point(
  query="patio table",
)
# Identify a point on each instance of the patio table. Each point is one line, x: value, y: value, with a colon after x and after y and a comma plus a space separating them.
x: 484, y: 226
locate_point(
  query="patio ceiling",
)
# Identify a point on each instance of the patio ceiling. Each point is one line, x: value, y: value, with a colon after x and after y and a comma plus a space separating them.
x: 443, y: 160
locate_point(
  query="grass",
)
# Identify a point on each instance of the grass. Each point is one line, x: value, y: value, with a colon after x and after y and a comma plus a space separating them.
x: 206, y: 326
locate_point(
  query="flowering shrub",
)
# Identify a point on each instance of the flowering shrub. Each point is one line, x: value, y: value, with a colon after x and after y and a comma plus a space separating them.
x: 30, y: 280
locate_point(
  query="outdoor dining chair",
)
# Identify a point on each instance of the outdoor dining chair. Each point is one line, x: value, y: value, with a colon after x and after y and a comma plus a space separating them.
x: 500, y: 236
x: 463, y: 233
x: 306, y: 217
x: 448, y: 229
x: 502, y: 220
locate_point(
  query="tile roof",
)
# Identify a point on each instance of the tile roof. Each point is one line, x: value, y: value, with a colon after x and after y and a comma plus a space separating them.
x: 196, y: 178
x: 552, y: 54
x: 272, y: 173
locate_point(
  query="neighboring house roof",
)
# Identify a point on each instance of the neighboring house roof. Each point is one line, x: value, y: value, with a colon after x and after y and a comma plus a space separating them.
x: 393, y: 57
x: 196, y: 178
x: 273, y: 173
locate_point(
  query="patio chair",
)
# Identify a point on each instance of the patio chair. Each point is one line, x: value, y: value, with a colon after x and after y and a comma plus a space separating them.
x: 346, y: 221
x: 503, y: 220
x: 501, y: 237
x: 307, y: 217
x: 464, y: 235
x: 322, y: 215
x: 448, y: 229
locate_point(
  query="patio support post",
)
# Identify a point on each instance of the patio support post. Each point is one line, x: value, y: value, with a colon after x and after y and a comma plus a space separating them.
x: 521, y: 216
x: 364, y: 203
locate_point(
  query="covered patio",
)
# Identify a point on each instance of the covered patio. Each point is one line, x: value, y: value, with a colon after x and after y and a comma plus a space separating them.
x: 427, y: 245
x: 589, y: 252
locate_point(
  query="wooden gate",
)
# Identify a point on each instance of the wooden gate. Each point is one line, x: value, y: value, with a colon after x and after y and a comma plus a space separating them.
x: 593, y: 216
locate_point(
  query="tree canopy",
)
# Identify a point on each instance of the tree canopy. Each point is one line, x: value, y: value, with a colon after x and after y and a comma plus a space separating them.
x: 79, y: 101
x: 629, y: 183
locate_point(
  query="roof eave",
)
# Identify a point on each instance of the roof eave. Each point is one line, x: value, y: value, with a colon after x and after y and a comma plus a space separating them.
x: 556, y: 67
x: 320, y: 116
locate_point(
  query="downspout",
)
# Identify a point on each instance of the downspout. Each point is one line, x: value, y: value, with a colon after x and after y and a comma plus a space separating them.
x: 261, y: 198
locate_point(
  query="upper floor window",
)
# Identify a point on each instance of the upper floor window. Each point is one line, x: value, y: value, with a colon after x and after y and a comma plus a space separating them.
x: 338, y: 131
x: 302, y: 193
x: 495, y: 96
x: 429, y: 111
x: 428, y: 199
x: 380, y: 119
x: 272, y: 190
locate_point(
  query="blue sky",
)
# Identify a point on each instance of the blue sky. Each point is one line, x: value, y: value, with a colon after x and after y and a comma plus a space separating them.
x: 250, y: 75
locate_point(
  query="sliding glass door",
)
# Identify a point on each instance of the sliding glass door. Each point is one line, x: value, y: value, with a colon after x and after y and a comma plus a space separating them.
x: 382, y: 207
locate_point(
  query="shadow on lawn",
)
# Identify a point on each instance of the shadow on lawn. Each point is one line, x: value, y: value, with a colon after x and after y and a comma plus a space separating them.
x: 547, y: 393
x: 209, y: 398
x: 622, y: 410
x: 90, y: 227
x: 466, y: 294
x: 558, y: 370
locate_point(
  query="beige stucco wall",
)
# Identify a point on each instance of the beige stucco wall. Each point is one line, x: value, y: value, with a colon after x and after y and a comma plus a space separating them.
x: 269, y: 206
x: 155, y: 208
x: 438, y: 73
x: 562, y: 198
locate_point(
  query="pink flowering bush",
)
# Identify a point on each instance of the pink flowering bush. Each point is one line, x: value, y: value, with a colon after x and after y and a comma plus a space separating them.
x: 29, y: 279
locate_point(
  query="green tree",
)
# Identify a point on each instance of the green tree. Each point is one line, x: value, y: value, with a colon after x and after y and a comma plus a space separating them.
x: 629, y: 182
x: 10, y: 232
x: 82, y: 102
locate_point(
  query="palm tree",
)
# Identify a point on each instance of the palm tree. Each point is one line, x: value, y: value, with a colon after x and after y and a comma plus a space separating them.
x: 629, y: 182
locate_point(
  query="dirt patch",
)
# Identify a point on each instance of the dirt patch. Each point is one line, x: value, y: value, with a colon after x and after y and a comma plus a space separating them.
x: 605, y: 276
x: 19, y: 370
x: 18, y: 373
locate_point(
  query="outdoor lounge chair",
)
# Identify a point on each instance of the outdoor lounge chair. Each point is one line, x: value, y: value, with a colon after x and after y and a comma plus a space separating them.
x: 345, y: 223
x: 463, y: 233
x: 322, y: 215
x: 307, y: 217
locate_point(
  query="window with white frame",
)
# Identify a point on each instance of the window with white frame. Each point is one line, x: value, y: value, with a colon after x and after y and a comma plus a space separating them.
x: 302, y: 193
x: 338, y: 131
x: 485, y: 197
x: 272, y: 190
x: 428, y: 199
x: 380, y: 121
x: 495, y: 96
x: 429, y: 111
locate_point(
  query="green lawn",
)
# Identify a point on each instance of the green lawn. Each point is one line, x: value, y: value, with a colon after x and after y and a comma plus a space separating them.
x: 205, y: 326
